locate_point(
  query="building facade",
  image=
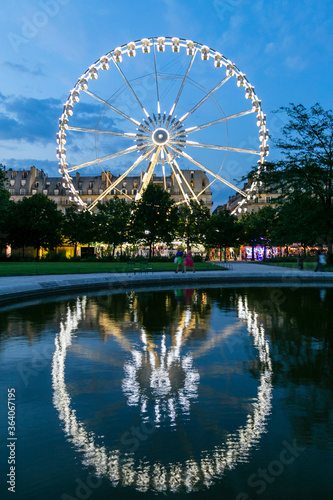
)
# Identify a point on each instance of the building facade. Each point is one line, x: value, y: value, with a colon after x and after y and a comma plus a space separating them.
x: 22, y: 183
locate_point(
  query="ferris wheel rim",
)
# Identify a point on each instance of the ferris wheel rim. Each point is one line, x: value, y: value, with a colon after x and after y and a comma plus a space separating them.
x: 173, y: 130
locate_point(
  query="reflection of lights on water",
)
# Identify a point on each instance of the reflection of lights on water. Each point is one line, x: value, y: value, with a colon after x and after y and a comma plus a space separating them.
x: 123, y: 469
x: 160, y: 365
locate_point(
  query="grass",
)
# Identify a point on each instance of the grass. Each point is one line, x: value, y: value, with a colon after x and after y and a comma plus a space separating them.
x: 39, y: 268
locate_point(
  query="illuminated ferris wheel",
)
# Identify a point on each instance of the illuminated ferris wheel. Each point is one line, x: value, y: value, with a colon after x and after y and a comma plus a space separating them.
x: 163, y: 105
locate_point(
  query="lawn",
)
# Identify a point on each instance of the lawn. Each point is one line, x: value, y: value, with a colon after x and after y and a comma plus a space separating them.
x: 33, y: 268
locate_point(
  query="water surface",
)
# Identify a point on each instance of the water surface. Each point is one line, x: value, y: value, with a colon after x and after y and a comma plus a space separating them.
x: 191, y: 393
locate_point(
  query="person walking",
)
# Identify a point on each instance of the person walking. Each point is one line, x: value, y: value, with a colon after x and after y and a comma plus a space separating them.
x: 300, y: 262
x: 179, y: 259
x: 188, y: 262
x: 321, y: 261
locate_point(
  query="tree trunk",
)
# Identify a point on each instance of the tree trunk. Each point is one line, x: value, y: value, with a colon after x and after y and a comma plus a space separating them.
x: 75, y: 249
x: 252, y: 258
x: 220, y: 254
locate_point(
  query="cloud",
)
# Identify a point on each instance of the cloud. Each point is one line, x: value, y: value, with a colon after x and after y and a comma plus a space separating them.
x: 21, y: 68
x: 36, y: 120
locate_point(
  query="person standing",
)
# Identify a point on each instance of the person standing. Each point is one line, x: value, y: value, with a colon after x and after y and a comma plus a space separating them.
x: 188, y: 262
x: 179, y: 259
x: 320, y: 261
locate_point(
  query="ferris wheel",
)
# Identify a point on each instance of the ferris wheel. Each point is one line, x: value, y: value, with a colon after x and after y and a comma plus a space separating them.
x: 160, y: 106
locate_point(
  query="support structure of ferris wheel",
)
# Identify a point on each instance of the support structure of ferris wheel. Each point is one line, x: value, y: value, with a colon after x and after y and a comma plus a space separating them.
x: 160, y: 137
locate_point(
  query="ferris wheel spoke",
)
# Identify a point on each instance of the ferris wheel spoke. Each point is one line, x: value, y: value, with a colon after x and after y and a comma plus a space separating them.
x: 174, y: 162
x: 103, y: 158
x: 204, y: 99
x: 157, y: 91
x: 119, y: 179
x: 179, y: 182
x: 112, y: 107
x: 149, y: 172
x: 192, y: 160
x: 98, y: 131
x: 220, y: 148
x: 190, y: 130
x: 130, y: 87
x: 181, y: 87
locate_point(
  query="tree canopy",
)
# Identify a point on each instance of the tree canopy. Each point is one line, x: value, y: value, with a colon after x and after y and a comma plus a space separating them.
x: 304, y: 174
x: 155, y: 217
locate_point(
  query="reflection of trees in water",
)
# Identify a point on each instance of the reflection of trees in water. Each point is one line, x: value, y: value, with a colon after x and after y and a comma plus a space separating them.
x: 156, y: 311
x: 33, y: 320
x: 300, y: 329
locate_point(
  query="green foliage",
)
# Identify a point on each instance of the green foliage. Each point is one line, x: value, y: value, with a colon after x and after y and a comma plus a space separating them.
x: 155, y: 217
x: 5, y: 207
x: 258, y: 228
x: 304, y: 175
x: 79, y: 227
x: 223, y: 230
x: 113, y: 222
x: 36, y: 222
x: 192, y: 222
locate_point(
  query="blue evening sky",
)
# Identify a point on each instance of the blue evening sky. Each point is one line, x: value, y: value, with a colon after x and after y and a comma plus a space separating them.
x: 284, y: 47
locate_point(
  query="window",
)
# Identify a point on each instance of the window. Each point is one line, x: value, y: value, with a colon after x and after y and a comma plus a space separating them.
x: 45, y: 191
x: 25, y: 175
x: 203, y: 183
x: 134, y: 191
x: 192, y: 183
x: 80, y: 185
x: 36, y: 184
x: 12, y: 191
x: 268, y: 199
x: 33, y: 191
x: 23, y: 182
x: 100, y: 190
x: 192, y: 175
x: 12, y: 182
x: 22, y: 191
x: 90, y: 191
x: 91, y: 185
x: 56, y: 192
x: 124, y: 191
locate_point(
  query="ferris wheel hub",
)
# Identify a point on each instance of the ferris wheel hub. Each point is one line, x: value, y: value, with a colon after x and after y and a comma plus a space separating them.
x: 160, y: 136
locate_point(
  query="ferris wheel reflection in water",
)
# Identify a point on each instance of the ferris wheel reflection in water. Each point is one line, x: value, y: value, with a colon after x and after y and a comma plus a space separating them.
x: 161, y: 381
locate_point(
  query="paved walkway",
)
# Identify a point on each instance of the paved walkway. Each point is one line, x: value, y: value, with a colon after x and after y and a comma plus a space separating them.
x: 15, y: 287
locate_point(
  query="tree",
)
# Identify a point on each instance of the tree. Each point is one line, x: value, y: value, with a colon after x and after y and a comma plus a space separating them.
x: 192, y: 222
x: 5, y: 208
x: 305, y: 172
x: 77, y: 227
x: 297, y: 222
x: 155, y: 217
x: 258, y: 227
x: 223, y: 230
x: 36, y: 222
x: 113, y: 222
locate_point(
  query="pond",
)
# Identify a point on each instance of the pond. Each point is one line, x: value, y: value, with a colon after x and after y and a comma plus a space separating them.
x: 205, y: 393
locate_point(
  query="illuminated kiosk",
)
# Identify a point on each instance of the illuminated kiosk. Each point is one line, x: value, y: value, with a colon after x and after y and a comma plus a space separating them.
x: 122, y: 113
x: 123, y: 469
